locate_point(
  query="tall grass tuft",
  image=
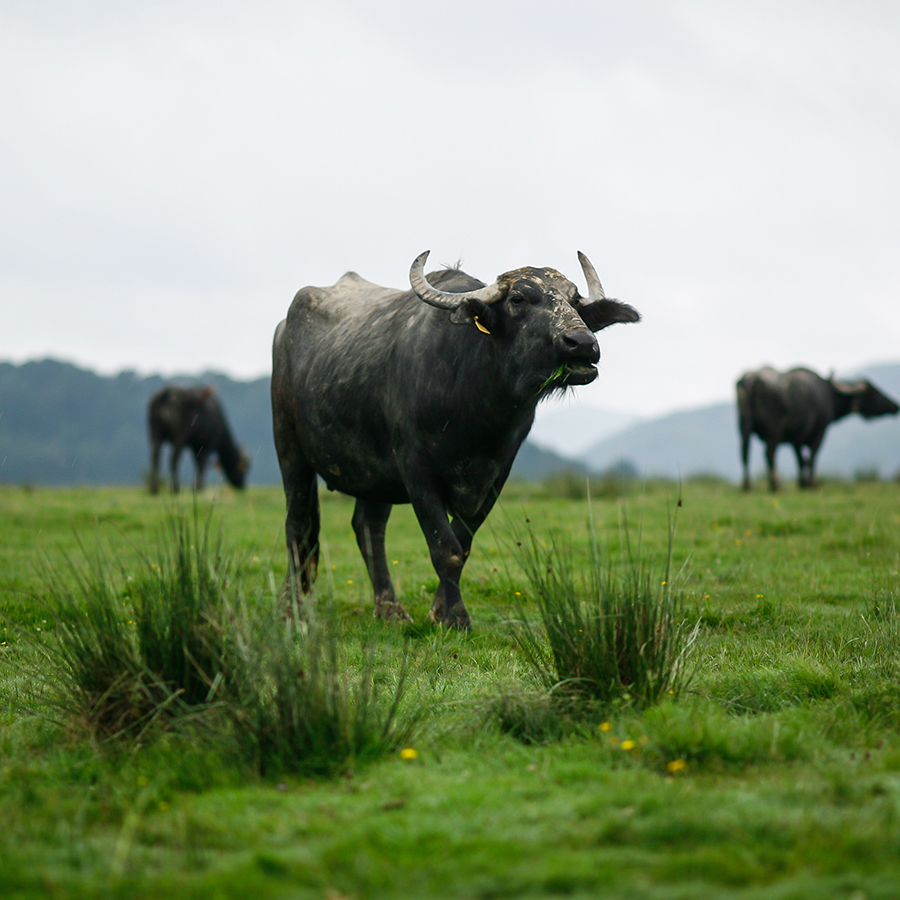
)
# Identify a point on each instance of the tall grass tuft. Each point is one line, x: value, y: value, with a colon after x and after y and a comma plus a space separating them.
x: 608, y: 632
x: 180, y: 607
x: 132, y: 649
x: 181, y: 638
x: 300, y: 706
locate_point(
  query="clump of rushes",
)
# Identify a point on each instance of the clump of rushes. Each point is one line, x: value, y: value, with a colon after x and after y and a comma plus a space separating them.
x: 180, y: 606
x: 131, y: 650
x: 611, y: 632
x: 300, y: 706
x: 180, y: 639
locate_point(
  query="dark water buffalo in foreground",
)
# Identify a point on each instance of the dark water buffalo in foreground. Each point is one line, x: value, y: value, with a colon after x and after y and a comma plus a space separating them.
x: 421, y: 396
x: 795, y: 408
x: 193, y: 417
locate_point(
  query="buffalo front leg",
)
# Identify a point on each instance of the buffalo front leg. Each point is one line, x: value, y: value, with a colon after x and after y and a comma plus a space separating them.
x: 808, y: 472
x: 450, y: 543
x: 448, y: 558
x: 201, y: 458
x: 803, y: 477
x: 464, y: 528
x: 369, y: 525
x: 446, y: 609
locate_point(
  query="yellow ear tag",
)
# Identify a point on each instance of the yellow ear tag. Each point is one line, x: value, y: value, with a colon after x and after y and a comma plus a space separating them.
x: 479, y: 326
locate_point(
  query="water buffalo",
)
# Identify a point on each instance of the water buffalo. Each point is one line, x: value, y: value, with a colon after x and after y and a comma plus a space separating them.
x: 193, y: 417
x: 795, y: 408
x: 421, y: 396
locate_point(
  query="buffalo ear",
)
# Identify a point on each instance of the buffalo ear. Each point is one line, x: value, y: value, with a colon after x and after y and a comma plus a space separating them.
x: 477, y: 314
x: 602, y: 313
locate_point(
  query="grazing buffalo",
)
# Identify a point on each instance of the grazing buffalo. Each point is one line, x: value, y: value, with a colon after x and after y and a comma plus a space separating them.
x: 421, y: 396
x: 193, y: 417
x: 795, y: 408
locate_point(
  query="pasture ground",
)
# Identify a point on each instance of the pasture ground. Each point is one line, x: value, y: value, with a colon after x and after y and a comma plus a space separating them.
x: 777, y: 775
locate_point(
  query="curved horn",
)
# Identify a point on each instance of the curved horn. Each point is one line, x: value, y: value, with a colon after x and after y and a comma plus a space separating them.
x: 446, y: 299
x: 595, y: 289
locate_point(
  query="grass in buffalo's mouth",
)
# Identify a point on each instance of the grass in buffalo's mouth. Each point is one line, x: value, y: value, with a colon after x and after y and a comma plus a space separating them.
x: 561, y: 374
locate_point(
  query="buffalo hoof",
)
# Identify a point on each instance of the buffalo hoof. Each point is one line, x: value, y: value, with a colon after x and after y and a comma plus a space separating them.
x: 391, y: 611
x: 292, y: 599
x: 458, y: 617
x: 292, y: 606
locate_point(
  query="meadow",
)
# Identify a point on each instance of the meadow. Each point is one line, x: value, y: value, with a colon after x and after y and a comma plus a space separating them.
x: 772, y: 772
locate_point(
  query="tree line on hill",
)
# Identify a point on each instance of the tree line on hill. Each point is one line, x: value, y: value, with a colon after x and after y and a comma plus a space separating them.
x: 62, y: 424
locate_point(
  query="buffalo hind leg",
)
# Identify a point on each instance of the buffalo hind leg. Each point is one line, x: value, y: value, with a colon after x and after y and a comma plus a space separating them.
x: 301, y: 531
x: 369, y: 525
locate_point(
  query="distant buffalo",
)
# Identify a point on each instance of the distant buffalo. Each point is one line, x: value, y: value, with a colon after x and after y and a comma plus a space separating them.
x: 193, y: 417
x: 795, y: 408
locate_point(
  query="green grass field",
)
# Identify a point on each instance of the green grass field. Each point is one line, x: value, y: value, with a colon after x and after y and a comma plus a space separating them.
x: 776, y: 774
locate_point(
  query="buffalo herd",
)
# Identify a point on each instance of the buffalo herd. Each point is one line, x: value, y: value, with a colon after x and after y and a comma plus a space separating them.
x: 424, y: 395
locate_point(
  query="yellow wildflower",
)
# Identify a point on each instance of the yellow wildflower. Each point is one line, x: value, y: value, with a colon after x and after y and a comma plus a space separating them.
x: 677, y: 765
x: 605, y: 726
x: 408, y: 753
x: 628, y: 745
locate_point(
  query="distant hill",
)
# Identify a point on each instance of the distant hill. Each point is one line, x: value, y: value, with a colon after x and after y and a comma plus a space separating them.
x: 534, y: 463
x: 680, y: 444
x: 706, y: 441
x: 62, y: 424
x: 570, y: 428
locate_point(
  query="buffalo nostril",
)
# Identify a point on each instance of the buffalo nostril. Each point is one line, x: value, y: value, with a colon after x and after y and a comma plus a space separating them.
x: 583, y: 344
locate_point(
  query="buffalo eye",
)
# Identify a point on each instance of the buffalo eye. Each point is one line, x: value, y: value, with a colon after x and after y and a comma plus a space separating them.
x: 525, y: 292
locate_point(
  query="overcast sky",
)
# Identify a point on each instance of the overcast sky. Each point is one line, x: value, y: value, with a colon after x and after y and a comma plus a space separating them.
x: 172, y: 173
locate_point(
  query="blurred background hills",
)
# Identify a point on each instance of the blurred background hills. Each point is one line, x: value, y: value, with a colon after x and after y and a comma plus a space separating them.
x: 62, y: 424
